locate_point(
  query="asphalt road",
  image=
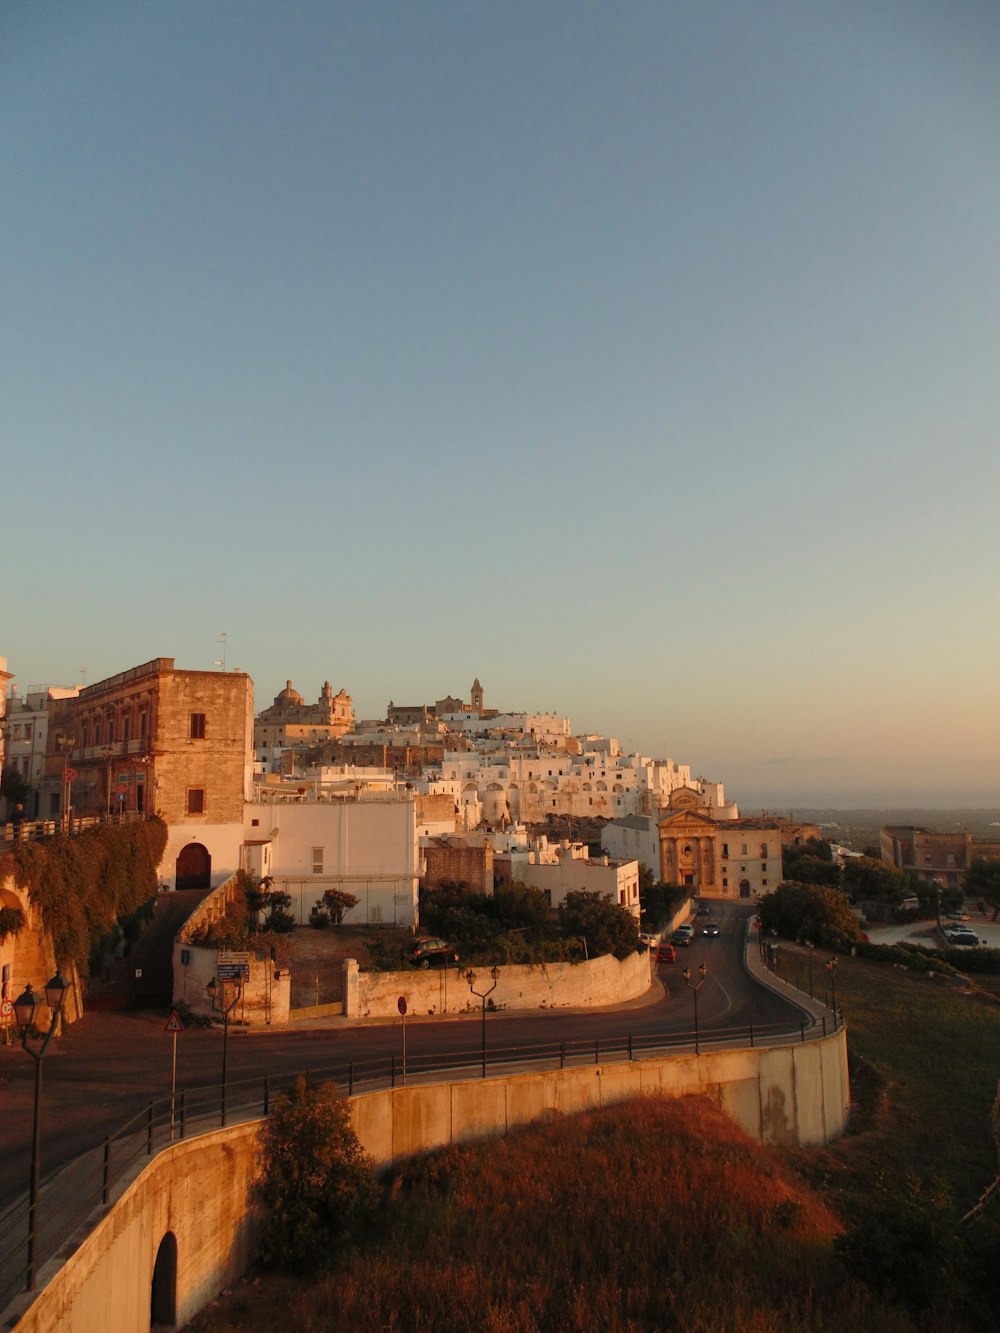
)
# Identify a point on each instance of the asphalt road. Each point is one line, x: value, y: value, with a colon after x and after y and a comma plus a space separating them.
x: 109, y: 1066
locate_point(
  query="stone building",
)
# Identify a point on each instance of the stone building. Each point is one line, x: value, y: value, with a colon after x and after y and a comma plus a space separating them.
x: 458, y: 859
x: 938, y: 858
x: 174, y: 743
x: 290, y: 721
x: 739, y: 858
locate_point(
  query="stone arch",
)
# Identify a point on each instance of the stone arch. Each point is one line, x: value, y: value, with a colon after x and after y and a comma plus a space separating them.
x: 163, y: 1290
x: 194, y: 867
x: 744, y: 888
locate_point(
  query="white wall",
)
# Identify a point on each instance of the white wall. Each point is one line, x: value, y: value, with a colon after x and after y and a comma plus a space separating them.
x: 367, y: 848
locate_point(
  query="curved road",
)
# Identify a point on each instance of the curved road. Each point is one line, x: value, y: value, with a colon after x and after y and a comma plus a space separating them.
x: 109, y: 1066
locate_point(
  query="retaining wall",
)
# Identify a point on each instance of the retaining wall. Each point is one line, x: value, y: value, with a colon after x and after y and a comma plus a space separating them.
x: 601, y: 981
x: 200, y: 1190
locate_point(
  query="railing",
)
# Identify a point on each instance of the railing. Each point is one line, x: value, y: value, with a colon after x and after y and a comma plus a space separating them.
x: 66, y: 827
x: 92, y: 1181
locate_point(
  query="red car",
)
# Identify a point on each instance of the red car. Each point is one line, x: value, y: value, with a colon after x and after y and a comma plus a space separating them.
x: 428, y: 950
x: 666, y: 953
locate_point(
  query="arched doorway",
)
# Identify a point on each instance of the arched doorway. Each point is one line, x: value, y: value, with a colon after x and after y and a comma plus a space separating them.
x: 194, y: 867
x: 163, y: 1293
x: 744, y: 888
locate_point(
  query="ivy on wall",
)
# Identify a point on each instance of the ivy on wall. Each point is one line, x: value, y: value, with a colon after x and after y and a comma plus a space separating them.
x: 84, y: 884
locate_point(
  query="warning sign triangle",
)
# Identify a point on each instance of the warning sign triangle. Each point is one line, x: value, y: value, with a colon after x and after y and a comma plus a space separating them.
x: 174, y: 1023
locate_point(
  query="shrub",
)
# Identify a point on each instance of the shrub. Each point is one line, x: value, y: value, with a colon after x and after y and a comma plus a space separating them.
x: 11, y: 921
x: 315, y: 1180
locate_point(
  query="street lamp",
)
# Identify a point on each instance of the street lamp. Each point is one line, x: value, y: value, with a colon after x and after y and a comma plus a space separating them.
x: 470, y: 977
x: 696, y: 987
x: 25, y: 1007
x: 66, y: 744
x: 810, y: 946
x: 219, y: 992
x: 831, y: 967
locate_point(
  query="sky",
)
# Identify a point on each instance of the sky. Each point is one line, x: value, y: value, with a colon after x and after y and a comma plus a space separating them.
x: 641, y: 359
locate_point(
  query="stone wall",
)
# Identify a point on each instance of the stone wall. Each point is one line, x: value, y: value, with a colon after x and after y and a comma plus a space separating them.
x: 601, y: 981
x: 199, y: 1191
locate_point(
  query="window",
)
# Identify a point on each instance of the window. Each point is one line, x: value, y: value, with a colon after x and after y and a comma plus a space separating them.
x: 197, y: 726
x: 317, y: 860
x: 196, y: 800
x: 763, y: 869
x: 725, y: 849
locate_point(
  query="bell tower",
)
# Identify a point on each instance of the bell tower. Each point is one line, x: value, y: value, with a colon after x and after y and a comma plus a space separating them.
x: 477, y: 697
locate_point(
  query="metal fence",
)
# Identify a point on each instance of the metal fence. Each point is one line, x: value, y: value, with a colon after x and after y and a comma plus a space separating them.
x: 69, y: 1197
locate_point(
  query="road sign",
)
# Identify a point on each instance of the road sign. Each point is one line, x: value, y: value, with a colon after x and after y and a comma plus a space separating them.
x: 231, y: 956
x: 69, y: 775
x: 401, y: 1004
x: 121, y: 789
x: 174, y: 1023
x: 6, y: 1008
x: 233, y: 971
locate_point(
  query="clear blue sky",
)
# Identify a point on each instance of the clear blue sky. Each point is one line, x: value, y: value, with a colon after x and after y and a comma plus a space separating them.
x: 641, y: 359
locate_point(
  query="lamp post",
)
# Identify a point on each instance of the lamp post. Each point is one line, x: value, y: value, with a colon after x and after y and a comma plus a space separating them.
x: 831, y: 967
x: 219, y: 992
x: 696, y: 987
x: 67, y: 774
x: 25, y: 1007
x: 470, y: 977
x: 810, y: 946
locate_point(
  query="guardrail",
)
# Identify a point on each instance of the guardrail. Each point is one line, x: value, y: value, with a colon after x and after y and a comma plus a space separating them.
x: 69, y: 1196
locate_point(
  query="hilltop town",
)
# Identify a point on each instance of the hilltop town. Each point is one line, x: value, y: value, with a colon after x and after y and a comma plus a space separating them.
x: 311, y: 796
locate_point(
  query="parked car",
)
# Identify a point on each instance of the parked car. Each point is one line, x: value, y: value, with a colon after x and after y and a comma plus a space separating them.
x: 958, y: 916
x: 685, y: 929
x: 682, y: 938
x: 961, y: 935
x: 666, y: 953
x: 428, y: 950
x: 705, y: 909
x: 710, y: 928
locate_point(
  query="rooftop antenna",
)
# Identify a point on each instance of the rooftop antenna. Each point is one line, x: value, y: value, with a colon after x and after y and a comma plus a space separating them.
x: 83, y: 675
x: 221, y: 661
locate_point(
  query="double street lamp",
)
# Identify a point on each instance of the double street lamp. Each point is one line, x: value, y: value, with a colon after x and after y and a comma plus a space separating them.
x: 470, y: 977
x: 696, y: 987
x: 25, y: 1008
x: 831, y: 967
x: 225, y: 994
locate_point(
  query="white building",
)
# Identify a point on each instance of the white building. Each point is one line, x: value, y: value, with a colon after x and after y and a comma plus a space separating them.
x: 571, y: 869
x: 365, y: 846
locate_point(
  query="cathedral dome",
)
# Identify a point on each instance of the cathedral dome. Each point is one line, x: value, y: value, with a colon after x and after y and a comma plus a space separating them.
x: 288, y: 695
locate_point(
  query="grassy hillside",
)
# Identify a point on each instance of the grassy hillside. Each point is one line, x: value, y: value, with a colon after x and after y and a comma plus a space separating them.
x: 663, y: 1215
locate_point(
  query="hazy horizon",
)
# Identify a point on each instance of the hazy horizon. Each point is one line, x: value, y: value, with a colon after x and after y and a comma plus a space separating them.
x: 640, y: 360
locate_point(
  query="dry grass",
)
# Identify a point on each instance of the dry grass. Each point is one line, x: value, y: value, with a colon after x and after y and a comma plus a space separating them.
x: 656, y: 1215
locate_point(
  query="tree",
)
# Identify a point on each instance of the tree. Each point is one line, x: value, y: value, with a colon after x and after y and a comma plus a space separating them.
x: 808, y: 869
x: 337, y: 902
x: 659, y: 902
x: 606, y: 926
x: 813, y: 912
x: 314, y: 1178
x: 982, y: 881
x: 866, y: 878
x: 14, y: 787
